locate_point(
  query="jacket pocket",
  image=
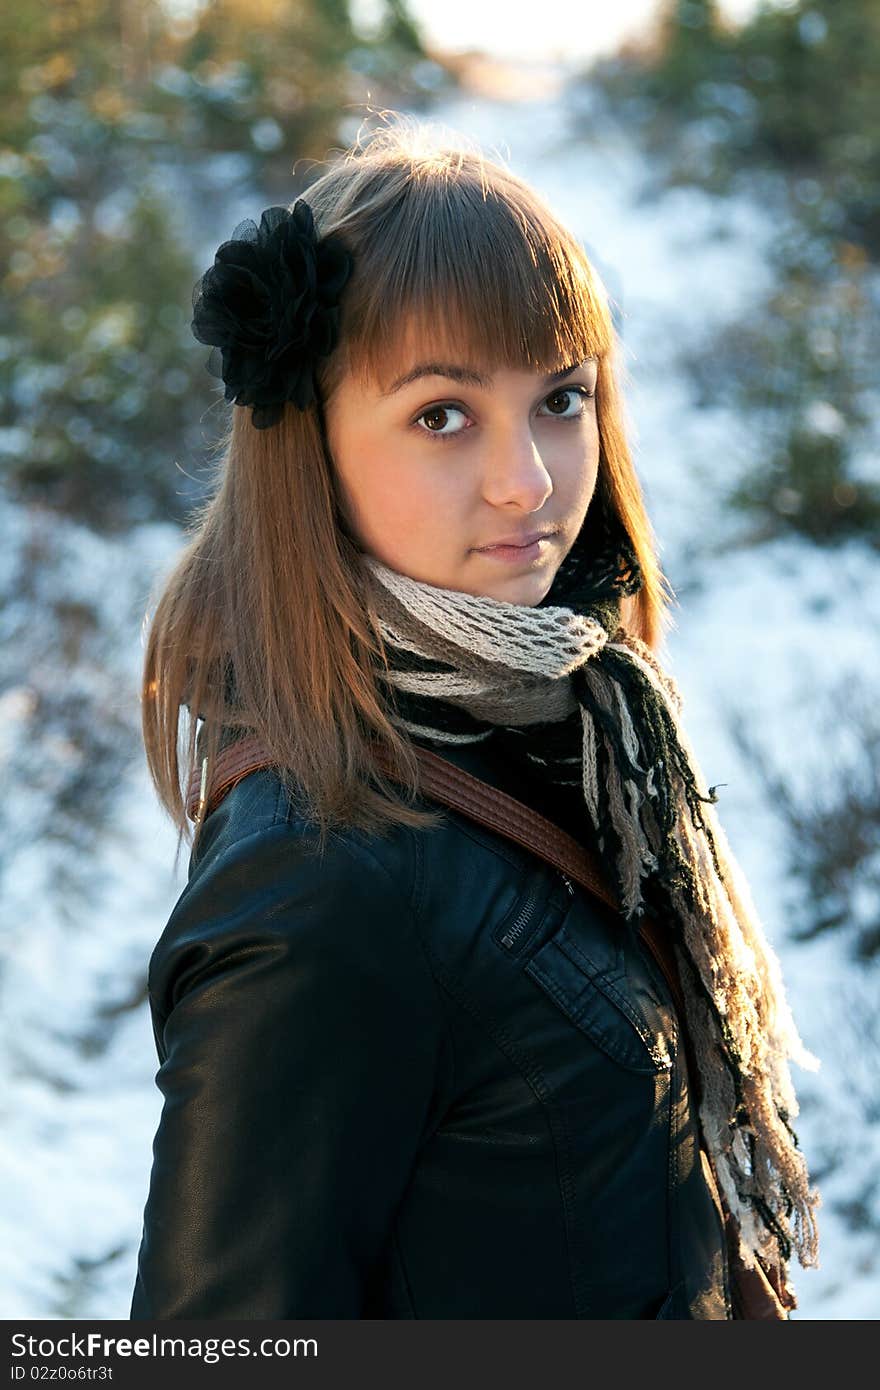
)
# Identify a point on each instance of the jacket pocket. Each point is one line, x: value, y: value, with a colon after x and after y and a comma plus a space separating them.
x: 596, y: 1001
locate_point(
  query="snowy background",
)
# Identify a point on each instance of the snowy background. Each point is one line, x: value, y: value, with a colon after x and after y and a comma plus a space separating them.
x: 779, y: 633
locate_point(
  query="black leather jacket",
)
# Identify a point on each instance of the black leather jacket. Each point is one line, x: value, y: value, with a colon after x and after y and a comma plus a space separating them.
x: 423, y: 1077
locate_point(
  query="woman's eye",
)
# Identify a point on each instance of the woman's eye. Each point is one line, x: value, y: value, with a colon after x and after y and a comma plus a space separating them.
x: 439, y: 421
x: 437, y: 418
x: 570, y: 395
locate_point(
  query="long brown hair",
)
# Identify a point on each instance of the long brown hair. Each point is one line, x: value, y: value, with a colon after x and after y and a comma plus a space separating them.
x: 268, y: 588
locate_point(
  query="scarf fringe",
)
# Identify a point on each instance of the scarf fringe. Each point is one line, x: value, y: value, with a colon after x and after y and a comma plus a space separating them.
x: 739, y: 1007
x: 463, y: 666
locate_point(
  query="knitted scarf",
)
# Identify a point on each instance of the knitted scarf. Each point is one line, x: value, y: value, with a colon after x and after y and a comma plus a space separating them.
x: 579, y: 700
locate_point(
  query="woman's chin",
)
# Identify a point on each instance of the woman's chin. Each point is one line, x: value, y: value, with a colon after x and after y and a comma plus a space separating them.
x: 526, y: 589
x: 523, y: 585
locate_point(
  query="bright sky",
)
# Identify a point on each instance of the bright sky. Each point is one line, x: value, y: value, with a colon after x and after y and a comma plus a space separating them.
x: 522, y: 30
x: 542, y: 30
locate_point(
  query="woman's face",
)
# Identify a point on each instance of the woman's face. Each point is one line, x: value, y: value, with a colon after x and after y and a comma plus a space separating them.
x: 447, y: 463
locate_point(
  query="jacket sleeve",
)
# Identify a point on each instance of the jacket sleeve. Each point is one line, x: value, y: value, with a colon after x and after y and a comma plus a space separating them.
x: 299, y: 1035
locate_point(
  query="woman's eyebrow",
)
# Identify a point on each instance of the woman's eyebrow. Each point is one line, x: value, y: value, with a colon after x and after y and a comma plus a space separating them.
x: 465, y: 376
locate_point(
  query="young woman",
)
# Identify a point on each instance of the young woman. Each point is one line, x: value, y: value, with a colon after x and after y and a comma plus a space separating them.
x: 411, y: 1070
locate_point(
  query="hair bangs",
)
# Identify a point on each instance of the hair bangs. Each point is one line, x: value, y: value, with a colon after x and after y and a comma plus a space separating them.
x: 484, y: 272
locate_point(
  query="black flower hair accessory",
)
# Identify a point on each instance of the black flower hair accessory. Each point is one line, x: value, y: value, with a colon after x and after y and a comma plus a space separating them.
x: 269, y: 306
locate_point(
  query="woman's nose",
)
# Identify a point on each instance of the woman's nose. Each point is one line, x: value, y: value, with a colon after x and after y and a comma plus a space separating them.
x: 514, y: 471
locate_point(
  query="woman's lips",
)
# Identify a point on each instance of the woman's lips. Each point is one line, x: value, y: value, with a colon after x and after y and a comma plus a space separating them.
x: 521, y: 554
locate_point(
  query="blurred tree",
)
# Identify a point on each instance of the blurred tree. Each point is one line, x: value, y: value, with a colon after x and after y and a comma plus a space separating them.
x: 689, y: 41
x: 794, y: 89
x: 111, y: 115
x: 789, y: 96
x: 811, y: 69
x: 249, y: 66
x: 833, y: 815
x: 399, y: 30
x: 800, y: 366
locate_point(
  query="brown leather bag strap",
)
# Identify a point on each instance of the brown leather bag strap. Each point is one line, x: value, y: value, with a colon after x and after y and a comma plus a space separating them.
x: 451, y: 785
x: 498, y: 810
x: 442, y: 781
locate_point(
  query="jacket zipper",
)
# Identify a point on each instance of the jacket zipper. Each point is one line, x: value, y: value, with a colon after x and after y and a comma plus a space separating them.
x: 514, y: 932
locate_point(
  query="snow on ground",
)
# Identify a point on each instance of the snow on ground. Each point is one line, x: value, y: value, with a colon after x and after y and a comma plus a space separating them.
x: 772, y: 638
x: 79, y: 1102
x: 758, y: 630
